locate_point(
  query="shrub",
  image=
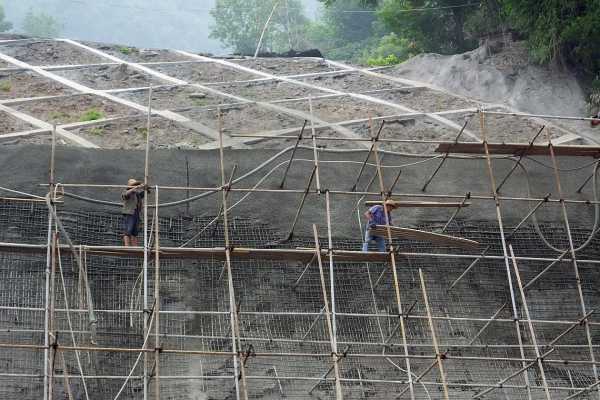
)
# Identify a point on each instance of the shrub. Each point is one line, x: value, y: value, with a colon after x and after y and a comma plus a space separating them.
x: 126, y: 50
x: 5, y: 86
x: 92, y: 115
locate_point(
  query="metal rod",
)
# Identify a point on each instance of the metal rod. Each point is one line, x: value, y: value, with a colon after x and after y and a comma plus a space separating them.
x: 301, y: 206
x: 510, y: 235
x: 374, y: 139
x: 519, y: 160
x: 287, y: 168
x: 455, y: 214
x: 295, y: 285
x: 488, y: 323
x: 443, y: 161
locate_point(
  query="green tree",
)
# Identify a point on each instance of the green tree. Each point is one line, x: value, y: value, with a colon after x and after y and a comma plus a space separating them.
x: 437, y: 26
x: 344, y: 30
x: 4, y: 24
x: 41, y: 24
x: 239, y: 24
x: 560, y: 30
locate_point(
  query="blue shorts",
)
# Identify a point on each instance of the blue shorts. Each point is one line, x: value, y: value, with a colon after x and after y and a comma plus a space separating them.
x: 131, y: 224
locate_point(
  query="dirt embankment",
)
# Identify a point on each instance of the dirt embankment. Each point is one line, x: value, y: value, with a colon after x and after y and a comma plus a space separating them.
x: 503, y: 73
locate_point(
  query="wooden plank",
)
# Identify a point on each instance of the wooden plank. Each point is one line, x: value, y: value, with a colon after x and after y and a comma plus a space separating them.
x: 518, y: 149
x: 217, y: 253
x: 418, y: 204
x: 434, y: 238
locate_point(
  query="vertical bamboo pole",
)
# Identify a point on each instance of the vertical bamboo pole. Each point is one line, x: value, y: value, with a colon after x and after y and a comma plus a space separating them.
x: 235, y: 333
x: 504, y: 249
x: 51, y: 335
x: 331, y: 271
x: 314, y: 142
x: 145, y: 267
x: 538, y: 354
x: 156, y: 297
x: 436, y: 348
x: 574, y: 261
x: 392, y: 255
x: 49, y: 258
x: 334, y: 354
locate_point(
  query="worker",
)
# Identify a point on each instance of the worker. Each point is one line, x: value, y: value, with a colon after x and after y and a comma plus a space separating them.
x: 133, y: 198
x: 596, y: 121
x: 376, y: 216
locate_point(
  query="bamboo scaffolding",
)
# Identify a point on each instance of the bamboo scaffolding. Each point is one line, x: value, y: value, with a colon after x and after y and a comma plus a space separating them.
x: 52, y: 348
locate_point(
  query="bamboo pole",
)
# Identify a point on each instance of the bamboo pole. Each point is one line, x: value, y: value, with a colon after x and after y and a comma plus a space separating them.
x: 532, y: 333
x: 156, y: 299
x: 330, y: 327
x: 314, y: 144
x: 392, y: 256
x: 146, y: 243
x: 439, y: 356
x: 565, y: 218
x: 232, y: 302
x: 504, y: 248
x: 51, y: 332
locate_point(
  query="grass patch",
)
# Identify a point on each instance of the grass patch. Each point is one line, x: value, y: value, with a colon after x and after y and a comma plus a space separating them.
x: 5, y: 86
x: 143, y: 132
x: 126, y: 50
x: 96, y: 131
x: 59, y: 116
x: 91, y: 115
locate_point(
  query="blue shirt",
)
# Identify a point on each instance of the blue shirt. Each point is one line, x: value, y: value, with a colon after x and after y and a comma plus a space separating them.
x: 378, y: 216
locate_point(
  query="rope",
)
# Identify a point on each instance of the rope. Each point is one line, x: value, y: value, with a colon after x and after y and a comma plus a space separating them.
x: 139, y: 355
x: 596, y: 212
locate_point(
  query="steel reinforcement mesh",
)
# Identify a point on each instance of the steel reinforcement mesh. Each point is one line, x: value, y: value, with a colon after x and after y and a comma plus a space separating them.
x: 282, y: 323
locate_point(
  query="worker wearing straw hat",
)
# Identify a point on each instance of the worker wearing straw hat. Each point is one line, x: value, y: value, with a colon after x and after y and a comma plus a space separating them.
x: 376, y: 215
x: 133, y: 198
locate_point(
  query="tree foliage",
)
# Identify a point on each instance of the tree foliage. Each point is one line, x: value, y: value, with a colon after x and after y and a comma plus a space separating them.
x: 239, y: 24
x: 344, y: 30
x: 565, y: 30
x: 40, y: 24
x: 4, y: 24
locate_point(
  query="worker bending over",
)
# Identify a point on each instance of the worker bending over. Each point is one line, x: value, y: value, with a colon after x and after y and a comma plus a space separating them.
x: 133, y: 200
x: 376, y: 216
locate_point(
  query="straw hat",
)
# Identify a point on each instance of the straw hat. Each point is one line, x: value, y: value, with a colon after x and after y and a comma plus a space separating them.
x: 391, y: 203
x: 133, y: 182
